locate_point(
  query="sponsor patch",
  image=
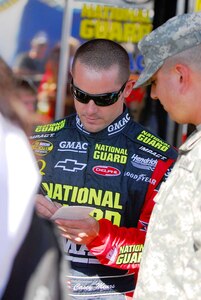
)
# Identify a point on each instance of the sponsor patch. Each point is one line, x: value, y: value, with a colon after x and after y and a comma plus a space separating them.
x: 51, y: 127
x: 140, y: 177
x: 154, y: 153
x: 110, y: 153
x: 143, y: 163
x: 118, y: 126
x: 70, y: 165
x: 151, y: 140
x: 70, y: 146
x: 106, y: 171
x: 42, y: 147
x: 42, y: 136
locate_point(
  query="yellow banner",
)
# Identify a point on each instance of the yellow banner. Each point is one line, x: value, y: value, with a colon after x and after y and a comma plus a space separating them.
x: 198, y: 5
x: 116, y: 23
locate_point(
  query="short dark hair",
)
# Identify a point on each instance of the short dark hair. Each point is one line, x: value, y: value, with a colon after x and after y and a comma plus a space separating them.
x: 101, y: 54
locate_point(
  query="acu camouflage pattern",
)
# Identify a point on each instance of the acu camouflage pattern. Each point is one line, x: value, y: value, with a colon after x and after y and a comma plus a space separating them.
x: 176, y: 35
x: 171, y: 261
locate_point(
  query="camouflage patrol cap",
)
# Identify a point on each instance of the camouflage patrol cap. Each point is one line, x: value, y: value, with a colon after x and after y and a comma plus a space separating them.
x: 176, y: 35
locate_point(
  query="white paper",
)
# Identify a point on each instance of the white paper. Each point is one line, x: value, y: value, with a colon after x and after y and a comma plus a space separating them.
x: 72, y: 212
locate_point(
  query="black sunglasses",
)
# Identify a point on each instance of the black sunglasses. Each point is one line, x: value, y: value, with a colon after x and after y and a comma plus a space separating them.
x: 105, y: 99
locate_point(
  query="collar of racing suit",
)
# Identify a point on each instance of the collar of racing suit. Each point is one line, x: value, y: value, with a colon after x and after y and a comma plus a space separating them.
x: 114, y: 128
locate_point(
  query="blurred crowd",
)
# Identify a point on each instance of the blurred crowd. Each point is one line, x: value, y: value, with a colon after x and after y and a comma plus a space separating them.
x: 36, y: 73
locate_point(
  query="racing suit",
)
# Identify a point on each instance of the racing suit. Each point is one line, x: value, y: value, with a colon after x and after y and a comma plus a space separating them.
x: 117, y: 171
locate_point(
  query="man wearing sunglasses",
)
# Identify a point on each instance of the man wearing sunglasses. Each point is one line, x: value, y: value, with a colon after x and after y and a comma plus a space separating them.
x: 101, y: 158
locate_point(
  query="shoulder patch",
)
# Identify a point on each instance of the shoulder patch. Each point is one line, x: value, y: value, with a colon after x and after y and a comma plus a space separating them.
x: 51, y: 127
x: 150, y: 139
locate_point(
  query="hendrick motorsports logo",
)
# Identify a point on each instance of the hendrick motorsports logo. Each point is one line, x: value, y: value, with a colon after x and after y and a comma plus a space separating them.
x: 70, y: 165
x: 143, y: 163
x: 4, y: 4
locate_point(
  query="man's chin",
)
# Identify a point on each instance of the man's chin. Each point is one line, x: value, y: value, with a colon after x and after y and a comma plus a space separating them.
x: 92, y: 129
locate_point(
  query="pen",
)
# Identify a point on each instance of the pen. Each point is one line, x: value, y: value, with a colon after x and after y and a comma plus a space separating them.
x: 44, y: 193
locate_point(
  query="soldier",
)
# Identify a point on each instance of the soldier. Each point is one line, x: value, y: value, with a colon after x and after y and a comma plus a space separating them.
x: 170, y: 268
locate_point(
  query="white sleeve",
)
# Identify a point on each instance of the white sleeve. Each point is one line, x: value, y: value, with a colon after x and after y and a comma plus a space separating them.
x: 19, y: 180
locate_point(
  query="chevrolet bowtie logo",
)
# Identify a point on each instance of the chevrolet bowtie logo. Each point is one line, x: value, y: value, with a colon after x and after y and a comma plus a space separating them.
x: 70, y: 165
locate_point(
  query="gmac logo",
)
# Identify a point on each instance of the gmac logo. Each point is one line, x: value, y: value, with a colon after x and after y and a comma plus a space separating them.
x: 70, y: 165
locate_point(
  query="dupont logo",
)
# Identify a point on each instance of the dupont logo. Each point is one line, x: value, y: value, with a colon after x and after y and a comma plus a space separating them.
x: 106, y: 171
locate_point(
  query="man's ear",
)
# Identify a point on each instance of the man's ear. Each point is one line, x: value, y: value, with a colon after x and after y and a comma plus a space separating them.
x: 128, y: 88
x: 183, y: 76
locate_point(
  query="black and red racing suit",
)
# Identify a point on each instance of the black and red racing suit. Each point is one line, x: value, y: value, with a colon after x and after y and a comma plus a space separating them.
x: 117, y: 171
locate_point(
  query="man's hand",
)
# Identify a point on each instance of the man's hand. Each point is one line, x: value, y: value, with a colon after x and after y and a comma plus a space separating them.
x: 81, y: 231
x: 44, y: 207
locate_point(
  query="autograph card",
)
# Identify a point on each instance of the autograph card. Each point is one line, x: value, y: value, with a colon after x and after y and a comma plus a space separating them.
x: 72, y: 212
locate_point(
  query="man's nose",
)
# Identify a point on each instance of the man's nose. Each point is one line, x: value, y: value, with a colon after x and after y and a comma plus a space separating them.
x: 91, y: 107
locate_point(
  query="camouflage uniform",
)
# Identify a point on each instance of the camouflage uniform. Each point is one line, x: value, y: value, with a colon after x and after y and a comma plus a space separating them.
x: 170, y: 268
x: 171, y: 260
x: 178, y: 34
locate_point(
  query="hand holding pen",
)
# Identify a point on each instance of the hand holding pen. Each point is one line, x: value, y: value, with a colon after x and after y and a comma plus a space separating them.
x: 44, y: 205
x: 43, y: 192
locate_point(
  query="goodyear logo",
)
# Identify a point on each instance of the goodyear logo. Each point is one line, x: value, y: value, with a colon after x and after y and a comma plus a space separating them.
x: 51, y: 127
x: 42, y: 147
x: 4, y: 4
x: 151, y: 140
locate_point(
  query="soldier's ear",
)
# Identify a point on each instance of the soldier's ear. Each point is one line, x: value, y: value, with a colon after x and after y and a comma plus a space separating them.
x: 182, y: 72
